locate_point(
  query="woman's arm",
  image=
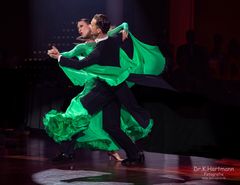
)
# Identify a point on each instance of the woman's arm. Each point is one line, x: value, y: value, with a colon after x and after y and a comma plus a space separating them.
x: 76, y: 51
x: 115, y: 31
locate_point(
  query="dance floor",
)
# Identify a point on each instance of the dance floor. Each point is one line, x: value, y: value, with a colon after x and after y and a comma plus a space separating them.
x: 25, y: 159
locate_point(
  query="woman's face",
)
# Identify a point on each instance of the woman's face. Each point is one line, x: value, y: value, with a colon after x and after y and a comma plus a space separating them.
x: 84, y: 29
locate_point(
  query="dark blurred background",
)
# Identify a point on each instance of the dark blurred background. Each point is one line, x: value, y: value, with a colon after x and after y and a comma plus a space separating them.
x: 199, y: 38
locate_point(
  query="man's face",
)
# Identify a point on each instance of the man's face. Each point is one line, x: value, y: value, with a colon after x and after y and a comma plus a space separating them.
x: 94, y: 28
x: 84, y: 29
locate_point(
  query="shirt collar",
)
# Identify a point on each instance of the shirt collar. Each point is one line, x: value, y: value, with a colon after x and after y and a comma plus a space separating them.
x: 101, y: 39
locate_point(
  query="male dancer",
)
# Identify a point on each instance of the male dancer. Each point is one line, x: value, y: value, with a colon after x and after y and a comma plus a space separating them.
x: 107, y: 98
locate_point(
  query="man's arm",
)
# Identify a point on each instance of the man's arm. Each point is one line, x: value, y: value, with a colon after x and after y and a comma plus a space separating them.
x: 76, y: 51
x: 92, y: 58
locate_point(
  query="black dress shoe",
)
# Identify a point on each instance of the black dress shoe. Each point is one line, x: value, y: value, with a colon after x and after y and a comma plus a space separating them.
x: 139, y: 160
x: 63, y: 157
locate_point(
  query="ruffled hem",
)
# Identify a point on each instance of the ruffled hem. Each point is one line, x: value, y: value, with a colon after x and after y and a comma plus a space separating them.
x: 137, y: 132
x: 61, y: 127
x: 107, y: 144
x: 102, y: 141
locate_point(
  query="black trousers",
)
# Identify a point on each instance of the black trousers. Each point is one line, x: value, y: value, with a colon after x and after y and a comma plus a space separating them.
x: 102, y: 94
x: 110, y: 100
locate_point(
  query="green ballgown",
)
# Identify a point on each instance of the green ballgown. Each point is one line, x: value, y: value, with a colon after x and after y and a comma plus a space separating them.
x: 61, y: 126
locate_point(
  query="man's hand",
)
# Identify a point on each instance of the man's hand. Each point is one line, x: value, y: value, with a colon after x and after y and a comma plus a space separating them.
x: 124, y: 35
x: 53, y: 53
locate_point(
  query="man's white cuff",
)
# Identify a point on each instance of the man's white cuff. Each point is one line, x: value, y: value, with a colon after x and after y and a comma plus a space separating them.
x: 59, y: 58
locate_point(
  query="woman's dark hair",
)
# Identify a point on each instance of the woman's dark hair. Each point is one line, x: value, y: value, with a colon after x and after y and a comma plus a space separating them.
x: 85, y: 20
x: 102, y: 22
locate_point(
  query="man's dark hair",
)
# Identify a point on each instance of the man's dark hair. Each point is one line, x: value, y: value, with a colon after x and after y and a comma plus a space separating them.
x: 85, y: 20
x: 102, y: 22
